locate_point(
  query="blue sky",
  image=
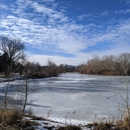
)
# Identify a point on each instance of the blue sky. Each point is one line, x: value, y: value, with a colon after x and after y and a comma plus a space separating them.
x: 67, y: 31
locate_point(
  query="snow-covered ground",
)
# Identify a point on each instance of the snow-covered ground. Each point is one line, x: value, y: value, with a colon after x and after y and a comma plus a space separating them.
x: 75, y: 98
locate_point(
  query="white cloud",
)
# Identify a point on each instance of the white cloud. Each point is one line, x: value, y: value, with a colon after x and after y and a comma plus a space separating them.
x: 127, y: 1
x: 127, y: 11
x: 50, y: 12
x: 48, y: 0
x: 92, y: 16
x: 122, y: 11
x: 42, y: 9
x: 82, y: 17
x: 105, y: 13
x: 3, y: 6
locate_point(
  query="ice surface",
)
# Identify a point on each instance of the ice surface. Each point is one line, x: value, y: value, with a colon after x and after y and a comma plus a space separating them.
x: 75, y: 97
x: 81, y: 97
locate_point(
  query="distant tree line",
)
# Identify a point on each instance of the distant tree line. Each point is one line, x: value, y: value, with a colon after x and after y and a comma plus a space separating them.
x: 107, y: 65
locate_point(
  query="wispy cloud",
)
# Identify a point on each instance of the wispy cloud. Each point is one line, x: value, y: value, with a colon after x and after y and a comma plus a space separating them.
x: 42, y: 36
x: 105, y: 13
x: 82, y: 17
x: 92, y: 16
x: 127, y: 1
x: 122, y: 11
x: 3, y: 6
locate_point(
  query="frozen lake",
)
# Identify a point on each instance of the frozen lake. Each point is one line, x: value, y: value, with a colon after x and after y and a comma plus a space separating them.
x: 77, y: 96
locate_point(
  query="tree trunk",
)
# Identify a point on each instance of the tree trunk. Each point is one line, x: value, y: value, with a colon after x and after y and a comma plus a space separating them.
x: 6, y: 93
x: 26, y: 95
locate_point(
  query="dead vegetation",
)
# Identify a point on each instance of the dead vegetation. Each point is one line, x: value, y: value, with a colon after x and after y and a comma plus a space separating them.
x: 13, y: 120
x: 122, y: 124
x: 107, y: 65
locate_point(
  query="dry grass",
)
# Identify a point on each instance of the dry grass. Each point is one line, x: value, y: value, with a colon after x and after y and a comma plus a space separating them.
x: 9, y: 116
x: 12, y: 120
x: 123, y: 124
x: 101, y: 126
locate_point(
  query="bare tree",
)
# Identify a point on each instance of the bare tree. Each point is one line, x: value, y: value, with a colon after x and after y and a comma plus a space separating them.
x: 50, y: 63
x: 30, y: 69
x: 124, y: 62
x: 53, y: 69
x: 108, y: 64
x: 12, y: 50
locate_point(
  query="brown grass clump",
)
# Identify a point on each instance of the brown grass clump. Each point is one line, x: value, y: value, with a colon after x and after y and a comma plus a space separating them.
x: 12, y: 120
x: 122, y: 124
x: 9, y: 117
x: 101, y: 126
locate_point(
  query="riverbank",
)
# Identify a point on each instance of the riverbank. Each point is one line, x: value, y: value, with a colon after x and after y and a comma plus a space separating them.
x: 13, y: 120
